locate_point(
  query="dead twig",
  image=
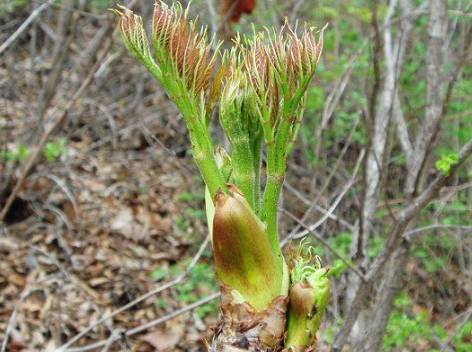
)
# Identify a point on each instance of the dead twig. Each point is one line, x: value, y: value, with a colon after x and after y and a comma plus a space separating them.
x: 25, y: 25
x: 308, y: 230
x: 328, y: 179
x: 409, y: 235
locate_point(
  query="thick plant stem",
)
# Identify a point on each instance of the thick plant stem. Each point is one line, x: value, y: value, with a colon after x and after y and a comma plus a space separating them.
x: 277, y: 153
x: 203, y: 149
x: 243, y: 329
x: 298, y: 338
x: 243, y: 169
x: 208, y: 168
x: 271, y: 199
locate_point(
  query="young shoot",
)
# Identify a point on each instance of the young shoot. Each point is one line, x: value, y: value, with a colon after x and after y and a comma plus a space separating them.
x: 260, y: 87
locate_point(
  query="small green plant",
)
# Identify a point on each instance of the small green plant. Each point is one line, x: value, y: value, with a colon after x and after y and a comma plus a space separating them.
x: 260, y: 87
x: 191, y: 210
x: 404, y: 328
x: 463, y: 339
x: 52, y: 151
x: 101, y: 5
x: 309, y: 296
x: 445, y: 163
x: 18, y: 154
x: 56, y: 149
x: 430, y: 262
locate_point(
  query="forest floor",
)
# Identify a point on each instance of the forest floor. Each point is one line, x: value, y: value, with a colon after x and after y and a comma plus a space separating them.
x: 103, y: 237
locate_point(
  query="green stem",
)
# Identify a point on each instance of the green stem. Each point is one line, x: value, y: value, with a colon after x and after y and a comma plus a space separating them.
x: 273, y: 189
x: 271, y: 201
x: 203, y: 149
x: 243, y: 167
x: 277, y: 153
x: 210, y: 172
x: 257, y: 158
x: 297, y: 334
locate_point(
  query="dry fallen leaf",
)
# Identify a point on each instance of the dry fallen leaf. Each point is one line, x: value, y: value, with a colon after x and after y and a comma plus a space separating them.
x: 165, y: 340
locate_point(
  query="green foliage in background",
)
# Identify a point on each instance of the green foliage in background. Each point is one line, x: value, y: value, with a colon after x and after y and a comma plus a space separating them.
x: 19, y: 153
x: 56, y: 149
x: 10, y: 6
x: 447, y: 161
x: 406, y: 328
x: 52, y: 151
x: 200, y: 282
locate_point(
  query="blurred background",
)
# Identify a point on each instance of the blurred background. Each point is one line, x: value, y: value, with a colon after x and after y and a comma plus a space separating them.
x: 101, y: 203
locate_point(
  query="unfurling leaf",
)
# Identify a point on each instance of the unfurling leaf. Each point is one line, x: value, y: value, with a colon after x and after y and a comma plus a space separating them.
x: 135, y: 39
x: 184, y: 51
x: 309, y: 296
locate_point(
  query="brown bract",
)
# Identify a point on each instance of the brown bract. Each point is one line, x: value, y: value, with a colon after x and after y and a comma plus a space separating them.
x: 297, y: 55
x: 301, y: 298
x: 244, y: 328
x: 302, y: 54
x: 128, y: 20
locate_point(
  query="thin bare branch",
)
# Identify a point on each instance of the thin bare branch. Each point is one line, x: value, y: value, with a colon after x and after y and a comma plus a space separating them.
x: 435, y: 79
x: 409, y: 234
x: 25, y: 25
x: 307, y: 230
x: 347, y: 187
